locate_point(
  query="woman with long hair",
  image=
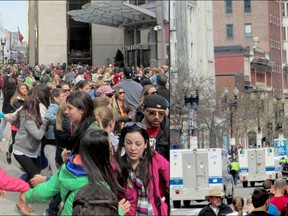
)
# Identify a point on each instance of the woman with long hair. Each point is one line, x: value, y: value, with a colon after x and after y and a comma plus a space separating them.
x: 142, y: 170
x: 80, y: 111
x: 238, y: 205
x: 122, y: 109
x: 62, y: 133
x: 92, y: 164
x: 32, y: 127
x: 16, y: 102
x: 106, y: 121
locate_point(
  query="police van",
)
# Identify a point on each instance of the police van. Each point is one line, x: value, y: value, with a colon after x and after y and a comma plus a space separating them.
x: 257, y: 165
x: 194, y: 172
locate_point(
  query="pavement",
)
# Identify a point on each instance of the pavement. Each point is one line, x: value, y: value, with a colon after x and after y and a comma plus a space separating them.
x: 8, y: 204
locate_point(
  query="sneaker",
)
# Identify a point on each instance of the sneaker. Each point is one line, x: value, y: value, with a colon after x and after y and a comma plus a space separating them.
x: 3, y: 140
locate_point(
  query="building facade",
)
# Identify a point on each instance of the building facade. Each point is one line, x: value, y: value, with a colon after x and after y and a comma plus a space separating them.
x: 192, y: 52
x: 238, y: 23
x: 92, y: 32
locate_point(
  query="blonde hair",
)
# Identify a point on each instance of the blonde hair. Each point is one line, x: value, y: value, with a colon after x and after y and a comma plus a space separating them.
x: 51, y: 85
x: 103, y: 116
x: 238, y: 203
x: 144, y: 93
x: 60, y: 114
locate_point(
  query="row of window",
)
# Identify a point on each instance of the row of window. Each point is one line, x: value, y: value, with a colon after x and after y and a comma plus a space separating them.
x: 229, y: 8
x: 247, y: 30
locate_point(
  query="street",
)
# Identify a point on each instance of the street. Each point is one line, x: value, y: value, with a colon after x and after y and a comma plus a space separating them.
x: 195, y: 208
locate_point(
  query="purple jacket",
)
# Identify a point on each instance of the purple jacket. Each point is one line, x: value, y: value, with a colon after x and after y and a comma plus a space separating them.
x: 159, y: 167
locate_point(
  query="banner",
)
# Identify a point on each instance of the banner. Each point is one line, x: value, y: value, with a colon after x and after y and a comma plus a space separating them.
x: 280, y: 146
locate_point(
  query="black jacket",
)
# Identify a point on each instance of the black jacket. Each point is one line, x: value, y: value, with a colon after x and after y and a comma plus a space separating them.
x: 162, y: 139
x: 207, y: 211
x: 62, y: 139
x: 259, y: 213
x: 164, y: 92
x: 8, y: 94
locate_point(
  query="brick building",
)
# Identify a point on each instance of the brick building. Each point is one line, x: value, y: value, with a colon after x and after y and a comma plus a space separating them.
x: 243, y: 24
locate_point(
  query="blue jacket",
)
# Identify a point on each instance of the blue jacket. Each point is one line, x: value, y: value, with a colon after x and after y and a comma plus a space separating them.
x: 51, y: 116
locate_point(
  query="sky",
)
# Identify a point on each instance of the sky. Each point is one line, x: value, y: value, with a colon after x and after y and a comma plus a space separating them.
x: 12, y: 15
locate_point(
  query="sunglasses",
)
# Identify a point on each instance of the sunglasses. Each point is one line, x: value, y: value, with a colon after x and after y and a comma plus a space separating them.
x: 110, y: 95
x: 66, y: 90
x: 155, y: 92
x: 122, y: 92
x: 138, y: 124
x: 154, y: 113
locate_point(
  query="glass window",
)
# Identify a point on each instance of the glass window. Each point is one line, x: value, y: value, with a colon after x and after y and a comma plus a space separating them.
x: 229, y: 30
x: 248, y: 30
x: 247, y: 6
x: 228, y: 4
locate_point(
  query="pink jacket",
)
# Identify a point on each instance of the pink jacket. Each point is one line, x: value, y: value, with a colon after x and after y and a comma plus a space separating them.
x: 159, y: 167
x: 8, y: 183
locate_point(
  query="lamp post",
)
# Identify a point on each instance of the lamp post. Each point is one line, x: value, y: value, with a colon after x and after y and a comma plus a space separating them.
x: 279, y: 114
x: 260, y: 108
x: 3, y: 43
x: 192, y: 103
x: 232, y: 108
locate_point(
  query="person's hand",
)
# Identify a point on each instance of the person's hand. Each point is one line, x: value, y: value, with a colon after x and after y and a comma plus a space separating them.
x: 124, y: 205
x: 2, y: 193
x: 37, y: 179
x: 8, y: 117
x: 65, y: 155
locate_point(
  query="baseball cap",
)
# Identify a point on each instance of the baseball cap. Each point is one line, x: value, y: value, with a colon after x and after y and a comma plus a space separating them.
x: 106, y: 89
x: 155, y: 101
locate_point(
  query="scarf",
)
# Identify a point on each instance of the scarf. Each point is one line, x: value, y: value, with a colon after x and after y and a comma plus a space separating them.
x: 144, y: 206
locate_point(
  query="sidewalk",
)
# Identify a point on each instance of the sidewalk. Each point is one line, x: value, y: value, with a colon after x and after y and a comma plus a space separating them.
x: 8, y: 204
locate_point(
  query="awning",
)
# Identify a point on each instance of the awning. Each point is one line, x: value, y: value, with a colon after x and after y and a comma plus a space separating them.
x: 116, y: 13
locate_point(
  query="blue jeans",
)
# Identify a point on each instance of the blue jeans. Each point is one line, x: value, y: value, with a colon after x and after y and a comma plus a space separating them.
x: 2, y: 127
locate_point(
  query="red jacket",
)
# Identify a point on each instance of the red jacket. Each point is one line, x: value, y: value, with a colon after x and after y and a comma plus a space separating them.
x: 159, y: 168
x: 8, y: 183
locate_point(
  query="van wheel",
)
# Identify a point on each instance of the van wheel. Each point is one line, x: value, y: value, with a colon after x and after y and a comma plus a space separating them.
x: 177, y: 204
x: 252, y: 184
x: 245, y: 184
x: 186, y: 203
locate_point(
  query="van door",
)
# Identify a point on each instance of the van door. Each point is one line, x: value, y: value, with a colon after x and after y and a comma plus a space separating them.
x: 261, y: 161
x: 195, y: 170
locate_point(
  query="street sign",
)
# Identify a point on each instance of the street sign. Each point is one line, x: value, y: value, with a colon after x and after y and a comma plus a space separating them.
x: 232, y: 141
x: 193, y: 142
x: 280, y: 146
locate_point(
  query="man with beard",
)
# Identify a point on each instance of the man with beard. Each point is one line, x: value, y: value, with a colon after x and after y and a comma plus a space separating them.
x: 157, y: 124
x: 215, y: 206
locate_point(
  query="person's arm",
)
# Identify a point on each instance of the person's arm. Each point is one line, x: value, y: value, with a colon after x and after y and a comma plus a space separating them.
x: 164, y: 169
x: 45, y: 191
x: 8, y: 183
x: 51, y: 114
x: 36, y: 132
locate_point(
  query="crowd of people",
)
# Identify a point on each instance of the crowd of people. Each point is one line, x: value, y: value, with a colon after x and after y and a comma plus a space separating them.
x: 102, y: 131
x: 270, y: 200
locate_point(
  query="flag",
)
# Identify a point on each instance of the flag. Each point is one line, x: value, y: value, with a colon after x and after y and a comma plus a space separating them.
x: 20, y: 36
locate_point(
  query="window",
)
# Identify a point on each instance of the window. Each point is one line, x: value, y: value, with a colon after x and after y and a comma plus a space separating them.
x: 248, y: 30
x: 285, y: 9
x: 247, y: 6
x: 228, y: 6
x: 285, y: 33
x: 229, y: 30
